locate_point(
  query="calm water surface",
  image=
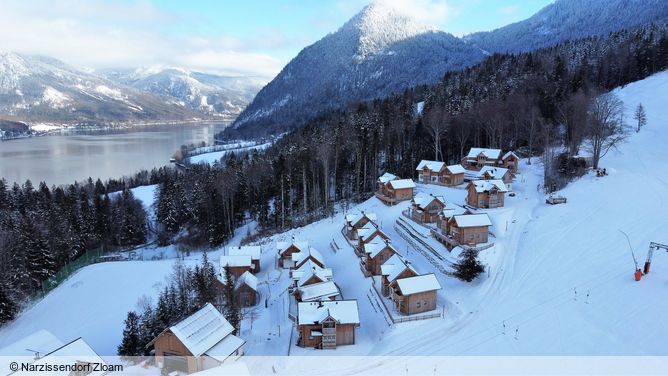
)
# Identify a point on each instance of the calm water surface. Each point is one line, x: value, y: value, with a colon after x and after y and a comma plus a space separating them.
x: 60, y: 159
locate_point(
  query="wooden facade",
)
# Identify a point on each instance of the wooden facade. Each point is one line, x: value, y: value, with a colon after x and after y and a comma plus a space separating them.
x: 374, y: 262
x: 511, y: 161
x: 477, y: 158
x: 246, y: 295
x: 385, y: 281
x: 468, y: 235
x: 377, y: 235
x: 237, y: 271
x: 287, y: 255
x: 426, y: 208
x: 492, y: 196
x: 356, y: 222
x: 326, y: 335
x: 434, y: 172
x: 395, y: 191
x: 171, y: 352
x: 414, y: 303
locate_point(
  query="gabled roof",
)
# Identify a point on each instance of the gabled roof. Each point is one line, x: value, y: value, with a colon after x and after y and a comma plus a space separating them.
x: 247, y: 279
x: 373, y: 249
x: 489, y: 153
x: 384, y: 178
x: 472, y: 220
x: 71, y: 353
x: 353, y: 218
x: 202, y: 330
x: 308, y: 269
x: 493, y: 172
x: 40, y: 343
x: 303, y: 255
x: 253, y: 250
x: 319, y: 291
x: 394, y: 266
x: 418, y: 284
x: 452, y: 209
x: 232, y: 261
x: 456, y: 169
x: 402, y: 184
x: 508, y: 154
x: 431, y: 165
x: 281, y: 247
x: 422, y: 200
x: 367, y: 232
x: 343, y: 311
x: 487, y: 185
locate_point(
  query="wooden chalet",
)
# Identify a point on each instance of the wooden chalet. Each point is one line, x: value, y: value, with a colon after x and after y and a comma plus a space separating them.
x: 318, y: 291
x: 435, y: 172
x: 201, y: 341
x: 368, y: 234
x: 450, y: 210
x: 245, y: 290
x: 469, y: 229
x: 252, y: 250
x: 310, y: 273
x: 376, y: 253
x: 495, y: 173
x: 486, y: 193
x: 395, y: 190
x: 478, y: 158
x: 395, y: 268
x: 426, y: 207
x: 510, y: 161
x: 237, y: 265
x: 415, y: 294
x: 327, y: 324
x: 355, y: 221
x: 309, y: 254
x: 285, y: 251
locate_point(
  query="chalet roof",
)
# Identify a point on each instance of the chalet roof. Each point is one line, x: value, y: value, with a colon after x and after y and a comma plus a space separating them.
x: 489, y: 153
x: 494, y: 172
x: 452, y: 209
x: 384, y: 178
x: 223, y: 349
x: 253, y: 250
x: 303, y: 255
x: 237, y: 260
x: 247, y: 278
x: 487, y: 185
x: 40, y: 342
x: 367, y: 232
x: 343, y: 311
x: 353, y: 218
x: 202, y: 330
x: 70, y: 353
x: 402, y: 184
x: 394, y: 266
x: 310, y: 269
x: 373, y: 249
x: 431, y: 165
x: 418, y: 284
x: 456, y: 169
x: 472, y: 220
x: 281, y: 247
x: 508, y: 154
x: 319, y: 291
x: 422, y: 200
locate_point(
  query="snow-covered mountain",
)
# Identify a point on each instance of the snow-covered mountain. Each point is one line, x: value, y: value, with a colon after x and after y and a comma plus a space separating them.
x: 570, y: 19
x: 208, y: 93
x: 38, y: 88
x: 376, y: 53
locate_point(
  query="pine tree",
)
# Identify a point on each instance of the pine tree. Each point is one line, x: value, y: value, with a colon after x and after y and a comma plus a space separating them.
x: 640, y: 116
x: 468, y: 267
x: 131, y: 344
x: 205, y: 276
x: 232, y: 310
x: 8, y: 308
x: 148, y: 329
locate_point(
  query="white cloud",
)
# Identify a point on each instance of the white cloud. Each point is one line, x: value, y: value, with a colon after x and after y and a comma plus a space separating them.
x: 99, y: 34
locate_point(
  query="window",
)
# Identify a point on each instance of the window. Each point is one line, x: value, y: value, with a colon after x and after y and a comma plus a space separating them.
x: 418, y: 304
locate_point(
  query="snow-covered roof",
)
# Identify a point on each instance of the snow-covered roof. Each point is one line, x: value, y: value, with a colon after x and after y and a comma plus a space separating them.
x: 402, y: 184
x: 202, y: 330
x: 247, y: 279
x: 301, y: 256
x: 508, y: 154
x: 394, y: 266
x: 494, y: 172
x: 384, y: 178
x: 486, y: 185
x: 223, y: 349
x: 431, y: 165
x: 472, y: 220
x: 489, y: 153
x: 40, y: 343
x: 418, y: 284
x: 456, y: 169
x: 353, y: 218
x: 253, y: 250
x: 283, y: 246
x: 373, y: 249
x: 319, y: 291
x: 237, y: 260
x: 452, y: 209
x: 77, y: 351
x: 309, y: 269
x: 367, y: 232
x: 343, y: 311
x: 422, y: 200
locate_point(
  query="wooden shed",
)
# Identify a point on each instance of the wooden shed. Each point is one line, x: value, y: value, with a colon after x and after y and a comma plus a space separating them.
x: 327, y: 324
x: 415, y: 294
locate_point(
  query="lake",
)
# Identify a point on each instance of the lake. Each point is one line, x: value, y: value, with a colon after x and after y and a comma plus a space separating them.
x: 64, y: 158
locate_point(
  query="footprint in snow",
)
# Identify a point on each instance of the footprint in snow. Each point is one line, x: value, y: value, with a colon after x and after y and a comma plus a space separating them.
x: 77, y: 284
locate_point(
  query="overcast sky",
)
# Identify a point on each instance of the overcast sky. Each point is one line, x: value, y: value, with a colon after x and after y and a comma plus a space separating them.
x: 233, y: 37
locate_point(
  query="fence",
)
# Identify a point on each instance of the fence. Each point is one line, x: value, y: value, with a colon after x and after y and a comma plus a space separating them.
x: 88, y: 258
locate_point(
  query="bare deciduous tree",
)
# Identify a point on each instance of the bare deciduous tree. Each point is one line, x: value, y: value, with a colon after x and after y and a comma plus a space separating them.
x: 435, y: 124
x: 640, y: 116
x: 606, y: 127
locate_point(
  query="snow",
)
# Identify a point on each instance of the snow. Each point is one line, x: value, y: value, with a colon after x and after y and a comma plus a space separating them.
x: 402, y: 184
x: 225, y: 348
x: 418, y: 284
x: 319, y: 291
x: 495, y: 173
x: 508, y: 154
x: 384, y: 178
x: 452, y: 209
x: 393, y: 267
x: 54, y: 97
x: 307, y: 254
x: 456, y: 169
x: 486, y: 185
x: 250, y: 250
x: 247, y: 278
x: 343, y: 311
x: 283, y: 246
x: 77, y: 351
x: 374, y: 249
x: 489, y: 153
x: 39, y: 343
x: 202, y: 330
x: 430, y: 165
x: 472, y: 220
x: 210, y: 158
x: 422, y: 200
x: 236, y: 260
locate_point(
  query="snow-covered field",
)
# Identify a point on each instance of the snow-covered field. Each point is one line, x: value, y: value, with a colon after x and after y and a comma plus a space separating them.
x: 211, y: 157
x: 560, y: 280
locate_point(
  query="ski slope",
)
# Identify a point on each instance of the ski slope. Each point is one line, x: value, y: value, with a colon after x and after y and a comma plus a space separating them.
x: 560, y: 278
